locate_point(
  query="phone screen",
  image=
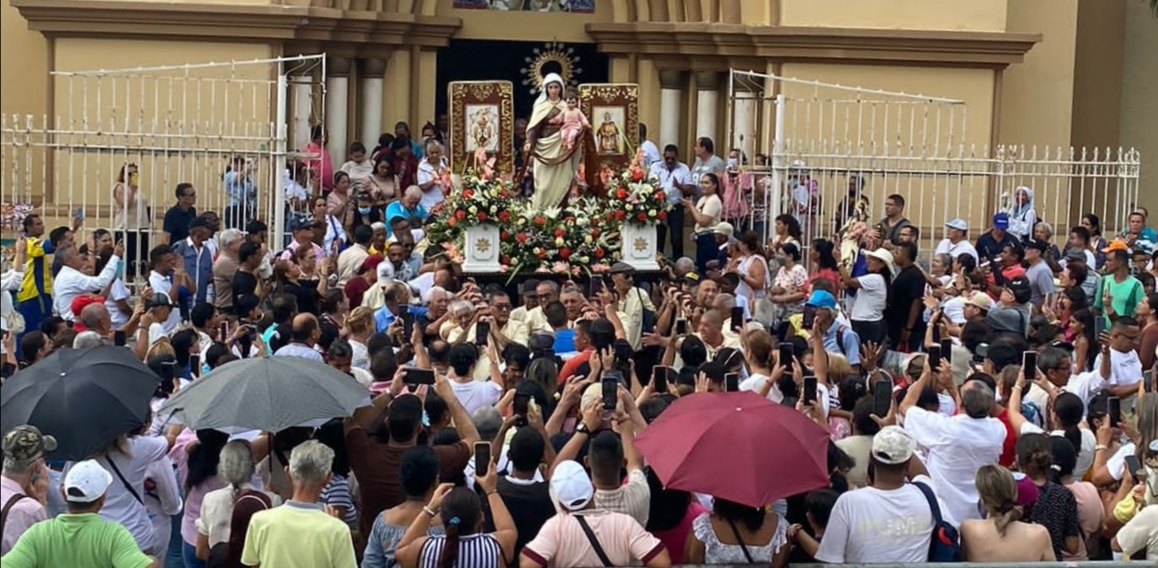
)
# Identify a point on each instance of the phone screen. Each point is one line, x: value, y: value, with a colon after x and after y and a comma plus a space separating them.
x: 947, y: 350
x: 482, y: 458
x: 223, y: 332
x: 119, y: 338
x: 407, y: 321
x: 787, y: 354
x: 522, y: 405
x: 610, y: 392
x: 596, y: 285
x: 1114, y: 411
x: 482, y: 332
x: 1099, y: 326
x: 681, y: 327
x: 1133, y: 467
x: 195, y: 365
x: 882, y: 398
x: 809, y: 390
x: 419, y: 376
x: 659, y: 379
x: 1029, y: 365
x: 934, y: 357
x: 809, y: 317
x: 731, y: 382
x: 737, y: 318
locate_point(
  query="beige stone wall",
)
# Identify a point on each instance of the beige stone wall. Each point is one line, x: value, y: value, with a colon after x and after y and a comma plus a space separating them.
x: 1139, y: 109
x: 976, y: 15
x: 1037, y: 95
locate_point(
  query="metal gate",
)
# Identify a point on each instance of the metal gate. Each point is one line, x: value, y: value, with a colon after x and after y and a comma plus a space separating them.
x: 811, y: 146
x: 177, y: 124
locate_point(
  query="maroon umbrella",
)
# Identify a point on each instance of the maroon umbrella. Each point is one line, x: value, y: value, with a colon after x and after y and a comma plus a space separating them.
x: 737, y: 446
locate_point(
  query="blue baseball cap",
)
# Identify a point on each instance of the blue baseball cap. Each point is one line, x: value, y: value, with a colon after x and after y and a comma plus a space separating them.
x: 1001, y: 221
x: 821, y: 299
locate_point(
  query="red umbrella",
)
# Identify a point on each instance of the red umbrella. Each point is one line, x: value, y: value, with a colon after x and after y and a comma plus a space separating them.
x: 736, y: 446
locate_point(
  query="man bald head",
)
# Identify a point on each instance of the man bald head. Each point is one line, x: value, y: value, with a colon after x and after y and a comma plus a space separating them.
x: 95, y: 317
x: 305, y: 329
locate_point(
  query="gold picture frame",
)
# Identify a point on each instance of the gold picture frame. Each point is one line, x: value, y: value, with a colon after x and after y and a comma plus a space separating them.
x: 481, y: 114
x: 613, y: 109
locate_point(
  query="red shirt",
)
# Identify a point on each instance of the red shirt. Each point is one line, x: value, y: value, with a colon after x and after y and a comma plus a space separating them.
x: 1010, y: 443
x: 573, y: 363
x: 355, y: 289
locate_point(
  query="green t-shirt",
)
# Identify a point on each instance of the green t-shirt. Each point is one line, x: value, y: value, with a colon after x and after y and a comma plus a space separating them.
x: 76, y: 540
x: 1124, y: 296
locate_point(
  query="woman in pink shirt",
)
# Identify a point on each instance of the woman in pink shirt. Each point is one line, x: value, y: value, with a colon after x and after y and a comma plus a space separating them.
x: 321, y: 168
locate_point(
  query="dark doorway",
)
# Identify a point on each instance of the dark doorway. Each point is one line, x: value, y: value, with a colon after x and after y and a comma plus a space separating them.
x: 485, y: 60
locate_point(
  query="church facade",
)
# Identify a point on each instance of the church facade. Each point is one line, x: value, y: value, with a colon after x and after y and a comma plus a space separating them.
x: 1061, y: 72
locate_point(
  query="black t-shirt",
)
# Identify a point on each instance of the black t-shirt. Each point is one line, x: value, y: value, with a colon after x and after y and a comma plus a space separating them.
x: 530, y: 506
x: 909, y: 285
x: 243, y: 283
x: 306, y: 291
x: 177, y: 222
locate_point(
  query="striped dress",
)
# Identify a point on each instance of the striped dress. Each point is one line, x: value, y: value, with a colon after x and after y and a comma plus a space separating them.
x: 479, y: 550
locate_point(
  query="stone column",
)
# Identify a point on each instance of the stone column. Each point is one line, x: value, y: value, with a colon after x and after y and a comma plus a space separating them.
x: 671, y: 89
x: 373, y: 82
x: 337, y: 116
x: 708, y: 107
x: 744, y: 116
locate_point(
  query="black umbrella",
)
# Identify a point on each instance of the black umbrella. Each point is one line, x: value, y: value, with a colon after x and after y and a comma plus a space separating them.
x: 85, y: 398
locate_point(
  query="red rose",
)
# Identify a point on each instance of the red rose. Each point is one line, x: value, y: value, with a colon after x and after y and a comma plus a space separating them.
x: 622, y: 193
x: 598, y: 253
x: 460, y: 214
x: 504, y: 194
x: 660, y: 195
x: 636, y: 175
x: 504, y: 216
x: 542, y: 254
x: 482, y: 216
x: 467, y: 193
x: 560, y: 233
x: 595, y: 233
x: 504, y: 235
x: 619, y: 215
x: 540, y: 221
x: 641, y: 216
x: 521, y: 237
x: 452, y: 221
x: 662, y: 215
x: 565, y: 253
x: 505, y: 260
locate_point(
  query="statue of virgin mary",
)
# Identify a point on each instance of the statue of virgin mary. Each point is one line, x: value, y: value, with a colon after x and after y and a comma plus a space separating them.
x: 553, y: 165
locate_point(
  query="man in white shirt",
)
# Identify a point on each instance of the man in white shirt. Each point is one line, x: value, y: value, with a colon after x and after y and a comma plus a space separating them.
x: 956, y: 445
x: 71, y: 282
x: 167, y: 277
x: 706, y: 159
x: 677, y: 182
x: 351, y: 259
x: 955, y: 242
x: 650, y: 150
x: 890, y: 521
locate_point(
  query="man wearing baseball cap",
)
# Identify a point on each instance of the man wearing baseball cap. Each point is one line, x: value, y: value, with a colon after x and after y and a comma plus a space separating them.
x: 80, y: 537
x: 956, y: 241
x: 863, y: 524
x: 838, y: 338
x: 583, y: 535
x: 1125, y: 291
x: 990, y: 245
x: 1038, y: 272
x: 24, y: 484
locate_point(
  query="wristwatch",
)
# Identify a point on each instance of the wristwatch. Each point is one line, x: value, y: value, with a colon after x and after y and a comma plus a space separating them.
x: 582, y: 429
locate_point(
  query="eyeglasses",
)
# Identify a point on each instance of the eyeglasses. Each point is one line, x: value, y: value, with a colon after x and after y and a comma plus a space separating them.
x: 502, y: 307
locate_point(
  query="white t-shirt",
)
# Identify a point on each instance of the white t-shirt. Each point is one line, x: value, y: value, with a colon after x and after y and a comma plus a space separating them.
x: 711, y: 206
x: 956, y: 250
x: 120, y: 506
x: 162, y: 284
x: 473, y: 395
x: 118, y: 291
x: 426, y: 174
x: 1125, y: 368
x: 957, y: 446
x: 879, y: 526
x: 871, y: 298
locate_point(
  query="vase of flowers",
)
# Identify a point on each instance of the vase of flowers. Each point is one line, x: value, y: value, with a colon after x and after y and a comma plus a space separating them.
x: 478, y: 206
x: 639, y: 205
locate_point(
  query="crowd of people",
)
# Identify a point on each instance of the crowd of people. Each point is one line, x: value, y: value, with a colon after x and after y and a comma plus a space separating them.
x: 1000, y: 388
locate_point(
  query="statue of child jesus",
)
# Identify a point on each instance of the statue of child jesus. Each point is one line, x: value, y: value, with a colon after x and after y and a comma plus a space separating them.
x: 572, y: 119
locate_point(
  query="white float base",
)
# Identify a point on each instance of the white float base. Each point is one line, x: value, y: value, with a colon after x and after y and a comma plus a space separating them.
x: 640, y: 243
x: 482, y: 245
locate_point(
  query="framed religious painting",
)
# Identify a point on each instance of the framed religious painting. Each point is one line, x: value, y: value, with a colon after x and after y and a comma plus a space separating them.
x: 481, y: 124
x: 613, y: 110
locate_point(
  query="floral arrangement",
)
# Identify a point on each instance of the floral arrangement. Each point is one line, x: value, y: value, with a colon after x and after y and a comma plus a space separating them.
x: 582, y: 237
x: 633, y: 197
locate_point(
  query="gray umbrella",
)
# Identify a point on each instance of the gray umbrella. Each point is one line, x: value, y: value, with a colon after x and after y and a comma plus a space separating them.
x: 269, y: 394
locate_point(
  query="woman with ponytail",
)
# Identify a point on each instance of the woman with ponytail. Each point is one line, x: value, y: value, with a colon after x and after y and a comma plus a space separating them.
x: 464, y: 545
x: 1056, y: 509
x: 1068, y: 415
x: 200, y: 478
x: 1091, y: 510
x: 1002, y: 536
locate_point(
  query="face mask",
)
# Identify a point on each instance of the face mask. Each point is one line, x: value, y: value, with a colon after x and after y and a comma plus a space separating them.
x: 733, y: 162
x: 363, y: 210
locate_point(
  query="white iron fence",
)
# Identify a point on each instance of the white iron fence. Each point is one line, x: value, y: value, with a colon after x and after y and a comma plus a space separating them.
x: 176, y: 124
x: 814, y: 149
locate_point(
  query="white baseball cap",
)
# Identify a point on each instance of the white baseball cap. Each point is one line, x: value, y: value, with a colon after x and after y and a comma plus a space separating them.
x: 959, y: 224
x: 385, y: 273
x: 893, y: 445
x: 85, y: 482
x: 570, y: 486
